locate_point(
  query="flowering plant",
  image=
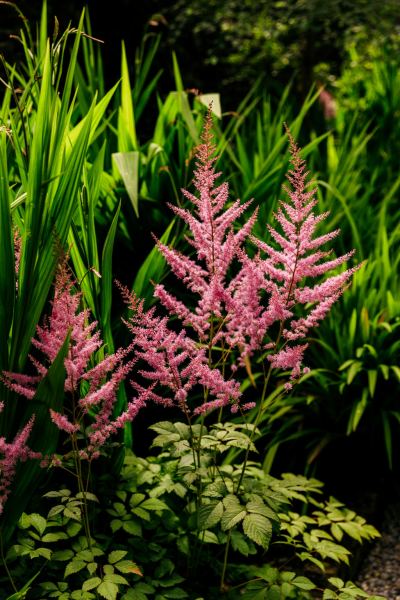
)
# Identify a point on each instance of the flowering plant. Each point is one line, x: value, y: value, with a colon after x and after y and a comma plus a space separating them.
x: 241, y: 303
x: 248, y: 298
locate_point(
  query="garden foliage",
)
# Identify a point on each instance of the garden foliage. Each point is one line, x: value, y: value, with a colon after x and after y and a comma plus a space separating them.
x: 215, y: 329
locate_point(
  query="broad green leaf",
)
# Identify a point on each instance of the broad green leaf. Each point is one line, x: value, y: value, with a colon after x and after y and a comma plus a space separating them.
x: 262, y: 509
x: 115, y: 525
x: 258, y: 529
x: 128, y: 566
x: 57, y: 494
x: 241, y: 544
x: 116, y: 555
x: 73, y: 529
x: 210, y: 514
x: 336, y: 582
x: 115, y: 578
x: 132, y: 527
x: 141, y: 513
x: 329, y: 595
x: 91, y: 583
x: 44, y: 552
x: 354, y: 369
x: 315, y: 561
x: 54, y: 537
x: 303, y: 583
x: 74, y: 567
x: 352, y: 529
x: 38, y: 522
x: 154, y: 504
x: 136, y: 499
x: 274, y: 593
x: 208, y: 537
x: 336, y: 531
x: 62, y: 555
x: 108, y: 590
x: 87, y: 496
x: 233, y: 514
x: 128, y: 167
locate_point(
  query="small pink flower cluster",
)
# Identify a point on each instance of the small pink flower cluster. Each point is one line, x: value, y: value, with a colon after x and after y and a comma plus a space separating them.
x: 174, y: 361
x: 104, y: 378
x: 13, y: 452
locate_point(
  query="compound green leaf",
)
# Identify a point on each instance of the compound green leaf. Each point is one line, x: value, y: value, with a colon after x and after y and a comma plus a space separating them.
x: 258, y: 529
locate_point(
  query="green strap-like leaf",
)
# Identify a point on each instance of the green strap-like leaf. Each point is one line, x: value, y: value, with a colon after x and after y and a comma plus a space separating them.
x: 7, y: 270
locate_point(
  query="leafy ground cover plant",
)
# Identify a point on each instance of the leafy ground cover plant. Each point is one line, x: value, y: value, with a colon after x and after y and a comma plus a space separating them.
x: 151, y: 514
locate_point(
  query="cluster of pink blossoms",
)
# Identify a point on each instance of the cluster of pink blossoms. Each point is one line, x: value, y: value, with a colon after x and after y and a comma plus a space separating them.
x: 241, y: 304
x: 241, y: 300
x: 174, y: 361
x: 12, y: 453
x: 104, y: 378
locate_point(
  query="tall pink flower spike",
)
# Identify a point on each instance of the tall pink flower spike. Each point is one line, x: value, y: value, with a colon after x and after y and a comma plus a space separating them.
x: 288, y: 269
x: 104, y: 378
x: 238, y: 298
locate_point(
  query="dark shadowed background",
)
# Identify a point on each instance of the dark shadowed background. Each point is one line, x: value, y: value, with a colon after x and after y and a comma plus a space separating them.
x: 226, y: 45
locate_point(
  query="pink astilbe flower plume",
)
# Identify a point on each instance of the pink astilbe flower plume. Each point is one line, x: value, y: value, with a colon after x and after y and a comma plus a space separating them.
x: 298, y: 257
x: 64, y: 319
x: 104, y: 378
x: 217, y: 247
x: 173, y: 362
x: 10, y: 454
x: 247, y: 303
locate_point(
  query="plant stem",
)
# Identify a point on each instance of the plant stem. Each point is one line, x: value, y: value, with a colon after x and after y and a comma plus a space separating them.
x: 246, y: 457
x: 6, y: 566
x: 256, y: 422
x: 81, y: 487
x: 227, y: 545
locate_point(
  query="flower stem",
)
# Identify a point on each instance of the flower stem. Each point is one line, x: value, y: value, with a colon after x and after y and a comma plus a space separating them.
x: 246, y: 457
